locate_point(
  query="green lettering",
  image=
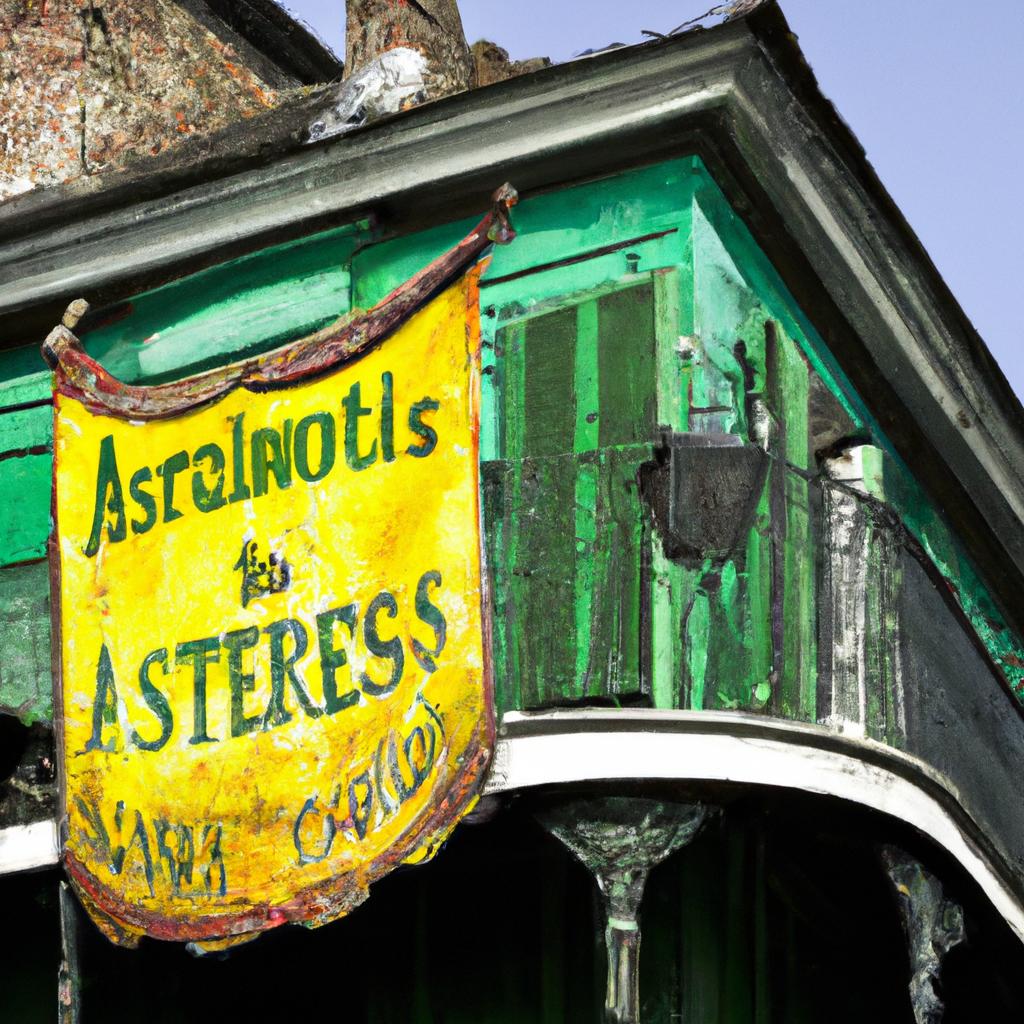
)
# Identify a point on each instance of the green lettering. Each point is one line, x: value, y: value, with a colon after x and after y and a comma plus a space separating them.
x: 421, y: 429
x: 283, y: 667
x: 241, y: 682
x: 390, y: 649
x: 269, y: 455
x: 353, y: 412
x: 143, y: 499
x: 207, y: 500
x: 333, y: 658
x: 429, y: 613
x: 180, y: 858
x: 387, y: 416
x: 104, y: 703
x: 201, y: 653
x: 240, y: 489
x: 156, y: 701
x: 327, y: 446
x: 109, y: 498
x: 171, y: 467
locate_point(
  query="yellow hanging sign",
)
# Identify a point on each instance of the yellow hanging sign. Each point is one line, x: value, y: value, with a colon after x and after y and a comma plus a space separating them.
x: 274, y: 684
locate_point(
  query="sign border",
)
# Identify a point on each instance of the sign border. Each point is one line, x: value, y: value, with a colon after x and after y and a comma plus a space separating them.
x: 79, y: 376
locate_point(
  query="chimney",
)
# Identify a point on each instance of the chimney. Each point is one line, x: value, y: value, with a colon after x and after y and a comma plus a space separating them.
x: 432, y: 27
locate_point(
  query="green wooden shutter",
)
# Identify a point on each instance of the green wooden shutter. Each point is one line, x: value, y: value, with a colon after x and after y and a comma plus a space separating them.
x: 565, y: 521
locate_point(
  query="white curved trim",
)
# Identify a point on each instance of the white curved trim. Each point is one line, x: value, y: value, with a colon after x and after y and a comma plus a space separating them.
x: 571, y: 747
x: 25, y: 847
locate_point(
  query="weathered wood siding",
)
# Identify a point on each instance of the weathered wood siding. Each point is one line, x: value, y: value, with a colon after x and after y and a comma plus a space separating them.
x: 578, y: 418
x: 629, y: 309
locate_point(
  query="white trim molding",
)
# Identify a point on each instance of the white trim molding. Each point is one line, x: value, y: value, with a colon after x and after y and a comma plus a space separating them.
x: 564, y: 747
x: 26, y: 847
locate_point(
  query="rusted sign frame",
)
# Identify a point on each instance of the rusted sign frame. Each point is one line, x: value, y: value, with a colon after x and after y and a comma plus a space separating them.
x: 81, y: 378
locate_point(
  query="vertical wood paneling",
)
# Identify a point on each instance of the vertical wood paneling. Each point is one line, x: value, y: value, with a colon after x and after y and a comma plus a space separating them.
x: 579, y: 420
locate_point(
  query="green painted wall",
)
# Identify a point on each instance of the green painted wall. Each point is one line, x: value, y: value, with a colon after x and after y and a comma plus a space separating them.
x: 589, y: 356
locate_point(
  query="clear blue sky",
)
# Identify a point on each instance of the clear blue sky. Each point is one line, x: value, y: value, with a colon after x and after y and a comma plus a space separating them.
x: 933, y: 90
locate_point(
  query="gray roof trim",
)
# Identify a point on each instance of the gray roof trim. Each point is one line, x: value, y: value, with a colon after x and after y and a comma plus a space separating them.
x: 434, y: 149
x: 739, y: 94
x: 908, y: 323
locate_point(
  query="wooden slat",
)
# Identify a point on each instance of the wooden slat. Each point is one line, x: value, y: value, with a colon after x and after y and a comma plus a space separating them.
x: 627, y: 366
x: 587, y: 395
x: 496, y: 480
x: 722, y: 597
x: 23, y: 387
x: 758, y: 624
x: 791, y: 403
x: 614, y: 665
x: 26, y: 437
x: 548, y: 420
x: 542, y: 622
x: 536, y: 572
x: 25, y: 426
x: 668, y: 580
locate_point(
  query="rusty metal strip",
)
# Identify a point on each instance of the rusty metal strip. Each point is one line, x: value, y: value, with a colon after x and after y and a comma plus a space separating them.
x: 582, y: 257
x: 21, y: 453
x: 83, y: 378
x: 38, y: 403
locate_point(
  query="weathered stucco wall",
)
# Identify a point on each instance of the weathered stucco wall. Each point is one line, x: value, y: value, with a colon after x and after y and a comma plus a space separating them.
x: 85, y: 87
